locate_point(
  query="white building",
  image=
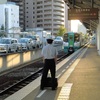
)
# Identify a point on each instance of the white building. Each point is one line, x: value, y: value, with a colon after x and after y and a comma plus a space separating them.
x: 3, y: 1
x: 21, y: 4
x: 9, y: 17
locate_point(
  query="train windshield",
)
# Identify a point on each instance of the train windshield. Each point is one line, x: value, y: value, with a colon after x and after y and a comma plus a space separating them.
x: 77, y: 37
x: 71, y: 37
x: 65, y: 37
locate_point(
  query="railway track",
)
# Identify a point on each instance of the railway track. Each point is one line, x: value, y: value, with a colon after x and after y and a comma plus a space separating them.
x: 17, y: 79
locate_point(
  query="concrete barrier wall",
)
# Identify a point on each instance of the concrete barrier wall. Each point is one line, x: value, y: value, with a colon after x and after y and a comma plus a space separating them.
x: 13, y: 60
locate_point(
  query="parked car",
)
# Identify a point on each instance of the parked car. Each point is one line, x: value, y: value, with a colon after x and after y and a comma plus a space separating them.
x: 58, y: 40
x: 27, y: 43
x: 36, y: 39
x: 9, y: 45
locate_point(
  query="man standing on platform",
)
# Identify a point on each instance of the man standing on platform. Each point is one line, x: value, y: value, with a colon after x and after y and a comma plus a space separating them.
x: 49, y: 53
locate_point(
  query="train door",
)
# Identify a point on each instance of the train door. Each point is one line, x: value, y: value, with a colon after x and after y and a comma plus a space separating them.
x: 71, y: 42
x: 77, y: 41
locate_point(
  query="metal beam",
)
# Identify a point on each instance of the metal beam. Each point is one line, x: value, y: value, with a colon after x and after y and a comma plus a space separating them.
x: 73, y: 3
x: 92, y: 2
x: 89, y: 24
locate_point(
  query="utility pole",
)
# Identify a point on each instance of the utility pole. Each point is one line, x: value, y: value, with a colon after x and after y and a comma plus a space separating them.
x: 92, y: 3
x: 73, y: 3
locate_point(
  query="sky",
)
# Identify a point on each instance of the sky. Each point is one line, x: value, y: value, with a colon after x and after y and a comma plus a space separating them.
x: 77, y: 26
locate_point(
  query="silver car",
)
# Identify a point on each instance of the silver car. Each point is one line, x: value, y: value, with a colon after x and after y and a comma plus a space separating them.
x: 27, y: 43
x: 36, y: 40
x: 58, y: 40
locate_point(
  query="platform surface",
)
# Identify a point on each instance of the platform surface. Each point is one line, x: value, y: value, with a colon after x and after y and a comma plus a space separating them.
x: 78, y: 82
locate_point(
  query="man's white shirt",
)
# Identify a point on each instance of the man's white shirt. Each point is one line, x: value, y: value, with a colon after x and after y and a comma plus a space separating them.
x: 49, y: 51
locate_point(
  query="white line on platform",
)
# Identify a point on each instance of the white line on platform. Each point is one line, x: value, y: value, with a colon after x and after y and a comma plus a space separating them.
x: 41, y: 93
x: 72, y: 61
x: 58, y: 75
x: 70, y: 64
x: 67, y: 66
x: 63, y: 70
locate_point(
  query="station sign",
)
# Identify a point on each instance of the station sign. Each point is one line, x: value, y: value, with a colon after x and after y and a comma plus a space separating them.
x: 83, y: 13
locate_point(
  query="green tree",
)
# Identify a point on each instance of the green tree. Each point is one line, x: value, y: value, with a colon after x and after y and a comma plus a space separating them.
x: 2, y: 31
x: 2, y: 34
x: 2, y: 27
x: 61, y: 31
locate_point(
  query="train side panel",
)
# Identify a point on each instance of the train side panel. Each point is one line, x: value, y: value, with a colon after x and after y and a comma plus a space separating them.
x: 65, y: 44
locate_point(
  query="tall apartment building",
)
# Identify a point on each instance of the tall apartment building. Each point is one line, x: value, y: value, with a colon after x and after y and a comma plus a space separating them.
x: 46, y: 14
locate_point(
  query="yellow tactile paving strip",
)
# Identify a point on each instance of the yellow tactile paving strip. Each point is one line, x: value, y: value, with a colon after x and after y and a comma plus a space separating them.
x: 65, y: 92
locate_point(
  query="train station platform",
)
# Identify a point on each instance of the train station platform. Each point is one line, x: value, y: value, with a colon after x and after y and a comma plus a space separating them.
x: 77, y: 80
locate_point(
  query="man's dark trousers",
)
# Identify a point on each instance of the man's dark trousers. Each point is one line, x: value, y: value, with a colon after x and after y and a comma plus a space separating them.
x: 48, y: 65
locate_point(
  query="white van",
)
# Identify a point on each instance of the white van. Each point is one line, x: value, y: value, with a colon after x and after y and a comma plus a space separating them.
x: 36, y: 39
x: 9, y: 45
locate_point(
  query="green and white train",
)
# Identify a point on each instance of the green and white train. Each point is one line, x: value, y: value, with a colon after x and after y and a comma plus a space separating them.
x: 73, y: 41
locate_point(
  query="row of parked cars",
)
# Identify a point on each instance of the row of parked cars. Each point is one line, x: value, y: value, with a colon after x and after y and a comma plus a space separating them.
x: 8, y: 45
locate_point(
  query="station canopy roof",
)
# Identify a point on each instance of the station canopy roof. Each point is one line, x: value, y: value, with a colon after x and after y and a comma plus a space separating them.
x: 81, y: 4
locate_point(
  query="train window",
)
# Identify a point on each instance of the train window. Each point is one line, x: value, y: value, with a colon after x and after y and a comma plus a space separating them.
x: 65, y: 38
x: 70, y: 37
x: 76, y: 38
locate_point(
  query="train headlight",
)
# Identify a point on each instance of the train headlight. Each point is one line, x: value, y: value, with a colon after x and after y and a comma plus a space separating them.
x: 65, y: 44
x: 77, y: 44
x: 71, y: 46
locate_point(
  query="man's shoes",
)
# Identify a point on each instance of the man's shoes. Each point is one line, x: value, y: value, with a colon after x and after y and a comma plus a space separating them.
x: 53, y: 88
x: 41, y: 88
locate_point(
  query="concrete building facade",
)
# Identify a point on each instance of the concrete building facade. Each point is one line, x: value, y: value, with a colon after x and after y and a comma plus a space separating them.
x: 46, y: 14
